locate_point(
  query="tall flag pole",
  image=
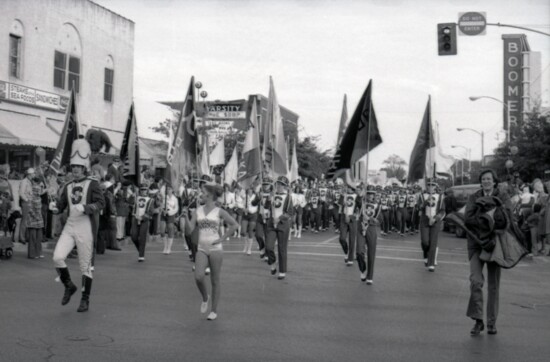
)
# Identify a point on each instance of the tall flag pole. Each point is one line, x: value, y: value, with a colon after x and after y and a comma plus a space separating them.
x: 279, y: 155
x: 361, y: 136
x: 420, y: 164
x: 129, y: 151
x: 183, y: 151
x: 71, y: 132
x: 343, y: 121
x: 251, y: 165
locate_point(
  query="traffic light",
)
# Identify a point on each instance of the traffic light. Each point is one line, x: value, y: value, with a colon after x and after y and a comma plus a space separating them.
x: 446, y: 38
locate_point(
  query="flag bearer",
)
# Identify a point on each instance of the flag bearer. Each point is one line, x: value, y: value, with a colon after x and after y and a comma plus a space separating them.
x: 367, y: 236
x: 84, y: 199
x: 412, y: 200
x: 278, y: 226
x: 401, y: 211
x: 143, y: 213
x: 249, y: 219
x: 351, y: 204
x: 432, y: 212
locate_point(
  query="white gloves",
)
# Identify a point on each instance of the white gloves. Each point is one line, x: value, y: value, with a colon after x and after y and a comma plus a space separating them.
x: 53, y: 207
x: 79, y: 208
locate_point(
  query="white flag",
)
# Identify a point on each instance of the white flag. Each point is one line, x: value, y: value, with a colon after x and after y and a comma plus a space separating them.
x: 217, y: 157
x: 231, y: 170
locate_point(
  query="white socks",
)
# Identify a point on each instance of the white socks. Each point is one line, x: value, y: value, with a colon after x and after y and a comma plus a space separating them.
x: 169, y: 246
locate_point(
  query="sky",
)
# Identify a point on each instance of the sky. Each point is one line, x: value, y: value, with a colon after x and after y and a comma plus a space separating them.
x: 317, y: 51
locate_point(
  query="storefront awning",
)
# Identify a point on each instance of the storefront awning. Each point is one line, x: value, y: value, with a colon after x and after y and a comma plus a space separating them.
x: 23, y: 129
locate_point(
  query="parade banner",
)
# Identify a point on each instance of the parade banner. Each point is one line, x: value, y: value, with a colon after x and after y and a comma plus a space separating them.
x: 251, y: 165
x: 514, y: 45
x: 129, y: 151
x: 419, y: 164
x: 217, y: 157
x: 183, y: 152
x: 361, y: 136
x: 70, y: 133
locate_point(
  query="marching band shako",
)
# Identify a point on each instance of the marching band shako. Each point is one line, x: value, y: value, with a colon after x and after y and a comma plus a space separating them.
x: 277, y: 206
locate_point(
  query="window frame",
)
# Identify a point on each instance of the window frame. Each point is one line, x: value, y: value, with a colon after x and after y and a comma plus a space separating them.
x: 67, y: 73
x: 18, y: 57
x: 108, y: 85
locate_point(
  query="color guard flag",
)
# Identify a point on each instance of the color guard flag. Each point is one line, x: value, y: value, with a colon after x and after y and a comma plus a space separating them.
x: 280, y: 156
x: 231, y: 170
x: 420, y: 165
x: 183, y: 150
x: 204, y: 166
x: 129, y: 151
x: 70, y: 133
x: 251, y: 165
x: 217, y: 157
x: 293, y: 176
x: 361, y: 136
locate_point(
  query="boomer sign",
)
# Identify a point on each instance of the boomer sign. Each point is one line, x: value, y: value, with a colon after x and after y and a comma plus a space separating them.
x: 514, y: 46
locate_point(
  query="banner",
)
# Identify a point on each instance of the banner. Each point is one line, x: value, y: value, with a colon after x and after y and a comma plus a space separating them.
x: 514, y: 45
x: 129, y: 151
x: 70, y: 133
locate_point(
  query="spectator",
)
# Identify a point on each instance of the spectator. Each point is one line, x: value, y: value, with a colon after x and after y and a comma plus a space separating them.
x: 97, y: 171
x: 25, y: 197
x: 112, y: 170
x: 35, y: 220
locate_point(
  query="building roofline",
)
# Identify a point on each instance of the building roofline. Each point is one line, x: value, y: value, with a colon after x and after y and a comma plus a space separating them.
x: 112, y: 12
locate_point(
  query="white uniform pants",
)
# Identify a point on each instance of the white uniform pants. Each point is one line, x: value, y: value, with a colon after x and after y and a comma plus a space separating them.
x: 76, y: 232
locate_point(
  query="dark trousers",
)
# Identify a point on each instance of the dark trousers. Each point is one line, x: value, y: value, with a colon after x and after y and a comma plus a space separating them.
x: 279, y: 233
x: 261, y: 232
x: 335, y: 217
x: 475, y: 305
x: 305, y: 217
x: 393, y: 218
x: 315, y: 218
x: 325, y: 220
x: 411, y: 219
x: 369, y: 241
x: 139, y: 235
x: 429, y: 236
x: 34, y: 239
x: 348, y: 236
x: 385, y: 221
x: 401, y: 219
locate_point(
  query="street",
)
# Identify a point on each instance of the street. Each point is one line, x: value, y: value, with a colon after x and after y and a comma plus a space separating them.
x: 320, y: 312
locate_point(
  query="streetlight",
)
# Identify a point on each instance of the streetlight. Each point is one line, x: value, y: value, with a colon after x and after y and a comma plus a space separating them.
x: 482, y: 134
x: 473, y: 99
x: 469, y: 153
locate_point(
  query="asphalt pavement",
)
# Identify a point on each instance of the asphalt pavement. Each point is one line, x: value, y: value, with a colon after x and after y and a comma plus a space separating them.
x: 320, y: 312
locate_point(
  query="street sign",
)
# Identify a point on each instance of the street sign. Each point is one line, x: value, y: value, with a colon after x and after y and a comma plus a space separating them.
x: 472, y: 23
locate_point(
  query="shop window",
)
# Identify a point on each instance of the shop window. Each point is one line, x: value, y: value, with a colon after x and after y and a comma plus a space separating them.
x: 61, y: 72
x: 108, y: 86
x: 15, y: 56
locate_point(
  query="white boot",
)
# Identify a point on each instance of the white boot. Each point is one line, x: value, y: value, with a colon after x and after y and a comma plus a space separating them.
x: 165, y: 241
x: 169, y: 247
x: 249, y: 249
x: 436, y: 252
x: 245, y: 245
x: 299, y: 232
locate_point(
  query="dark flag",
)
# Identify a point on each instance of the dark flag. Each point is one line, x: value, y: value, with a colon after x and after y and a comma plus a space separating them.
x: 129, y: 152
x: 361, y: 136
x: 420, y: 162
x: 251, y: 166
x: 70, y: 133
x: 183, y: 152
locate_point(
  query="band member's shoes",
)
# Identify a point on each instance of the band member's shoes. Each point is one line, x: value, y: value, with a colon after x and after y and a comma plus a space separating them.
x: 70, y: 289
x: 431, y: 268
x: 426, y: 263
x: 84, y: 306
x: 491, y: 329
x: 207, y: 271
x: 369, y: 282
x: 117, y: 249
x: 349, y: 262
x: 478, y: 328
x: 382, y: 233
x: 86, y: 289
x: 204, y: 305
x: 273, y: 270
x: 364, y: 277
x: 281, y: 276
x: 401, y: 234
x: 212, y: 316
x: 141, y: 259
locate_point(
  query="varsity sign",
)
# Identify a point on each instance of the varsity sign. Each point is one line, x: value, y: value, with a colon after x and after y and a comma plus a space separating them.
x: 514, y: 44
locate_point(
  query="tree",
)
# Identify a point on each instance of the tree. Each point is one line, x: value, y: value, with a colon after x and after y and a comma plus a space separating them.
x: 393, y: 165
x: 312, y: 162
x: 533, y: 149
